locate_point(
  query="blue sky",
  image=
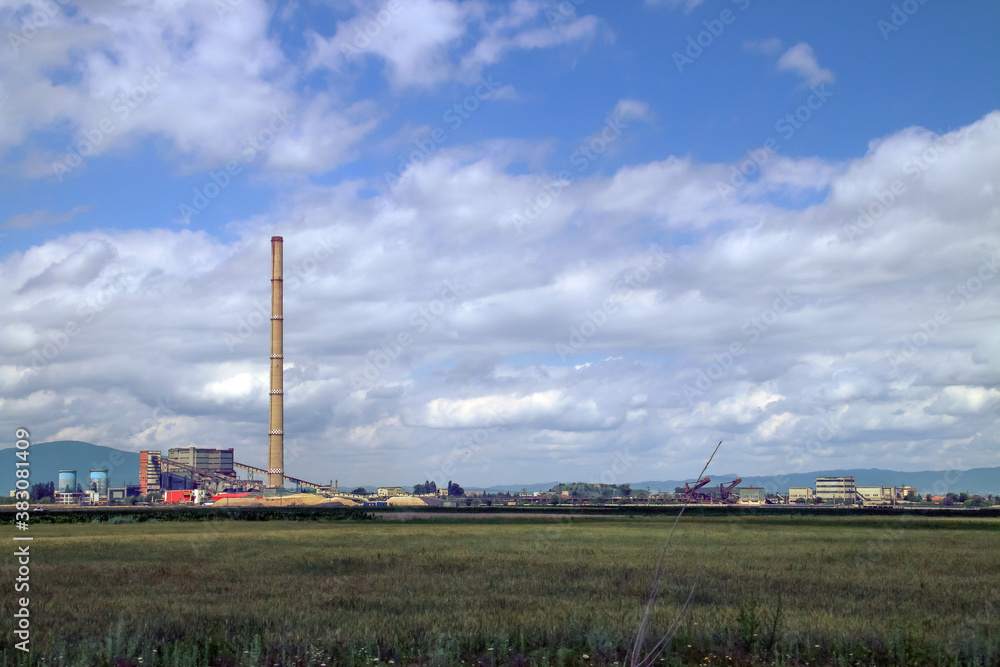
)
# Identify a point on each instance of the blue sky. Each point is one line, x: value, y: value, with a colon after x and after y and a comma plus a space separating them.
x: 594, y: 138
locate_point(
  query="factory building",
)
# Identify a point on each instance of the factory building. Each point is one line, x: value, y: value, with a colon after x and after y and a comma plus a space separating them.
x: 149, y: 471
x: 181, y: 467
x: 121, y: 493
x: 805, y: 493
x: 878, y: 494
x: 387, y: 491
x: 832, y: 489
x: 220, y: 460
x: 751, y: 495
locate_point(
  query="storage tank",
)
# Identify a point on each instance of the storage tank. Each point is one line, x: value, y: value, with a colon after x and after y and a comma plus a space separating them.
x: 99, y: 481
x: 67, y: 481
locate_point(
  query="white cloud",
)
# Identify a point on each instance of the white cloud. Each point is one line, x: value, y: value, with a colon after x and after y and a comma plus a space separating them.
x: 42, y: 217
x: 801, y: 60
x: 112, y: 74
x: 766, y: 46
x: 628, y: 110
x: 368, y: 270
x: 673, y: 4
x: 424, y: 43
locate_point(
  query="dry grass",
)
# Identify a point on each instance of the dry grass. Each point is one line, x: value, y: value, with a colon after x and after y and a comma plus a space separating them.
x: 541, y: 592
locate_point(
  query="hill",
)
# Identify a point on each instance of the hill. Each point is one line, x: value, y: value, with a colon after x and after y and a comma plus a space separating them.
x: 48, y: 458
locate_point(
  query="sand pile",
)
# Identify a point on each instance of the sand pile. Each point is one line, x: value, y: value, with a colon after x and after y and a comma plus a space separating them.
x: 290, y: 500
x: 406, y: 501
x: 249, y: 501
x: 346, y: 502
x: 298, y: 499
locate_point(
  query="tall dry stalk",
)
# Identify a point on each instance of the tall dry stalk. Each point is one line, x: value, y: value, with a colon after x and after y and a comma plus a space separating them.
x: 635, y: 657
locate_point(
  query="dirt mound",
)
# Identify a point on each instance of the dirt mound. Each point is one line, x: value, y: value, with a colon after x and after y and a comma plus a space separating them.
x: 298, y: 499
x: 289, y: 500
x: 406, y: 501
x: 249, y: 501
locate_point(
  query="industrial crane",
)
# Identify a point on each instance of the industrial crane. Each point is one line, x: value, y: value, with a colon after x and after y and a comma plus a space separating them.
x: 691, y: 494
x: 726, y: 491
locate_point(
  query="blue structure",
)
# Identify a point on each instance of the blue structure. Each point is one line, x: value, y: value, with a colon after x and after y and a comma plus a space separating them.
x: 67, y: 481
x: 99, y: 481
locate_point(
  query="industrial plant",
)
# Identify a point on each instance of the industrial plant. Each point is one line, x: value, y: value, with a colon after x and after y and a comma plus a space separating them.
x: 196, y: 472
x: 215, y: 470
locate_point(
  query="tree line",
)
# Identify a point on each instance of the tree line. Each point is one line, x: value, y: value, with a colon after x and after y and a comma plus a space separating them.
x: 429, y: 487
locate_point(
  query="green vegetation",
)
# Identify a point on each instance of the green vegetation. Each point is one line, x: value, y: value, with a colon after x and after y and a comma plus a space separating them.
x: 427, y: 488
x: 769, y: 589
x: 588, y: 490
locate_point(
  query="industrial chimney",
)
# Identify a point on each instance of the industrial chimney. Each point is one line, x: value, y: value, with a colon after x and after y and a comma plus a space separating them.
x: 276, y: 433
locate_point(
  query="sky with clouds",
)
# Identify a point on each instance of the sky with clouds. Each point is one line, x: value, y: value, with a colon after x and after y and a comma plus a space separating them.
x: 524, y: 241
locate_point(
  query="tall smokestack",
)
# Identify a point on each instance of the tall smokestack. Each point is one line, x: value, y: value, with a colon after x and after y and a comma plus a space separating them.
x: 276, y: 433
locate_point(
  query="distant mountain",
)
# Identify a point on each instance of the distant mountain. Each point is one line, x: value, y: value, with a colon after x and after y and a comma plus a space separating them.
x: 48, y: 458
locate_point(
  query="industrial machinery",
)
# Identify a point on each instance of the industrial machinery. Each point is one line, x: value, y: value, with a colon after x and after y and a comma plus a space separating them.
x: 726, y: 494
x: 691, y: 493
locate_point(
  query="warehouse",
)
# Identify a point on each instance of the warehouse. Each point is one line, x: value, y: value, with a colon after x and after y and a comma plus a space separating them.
x: 878, y: 494
x: 204, y: 459
x: 751, y: 495
x: 834, y: 489
x: 804, y: 493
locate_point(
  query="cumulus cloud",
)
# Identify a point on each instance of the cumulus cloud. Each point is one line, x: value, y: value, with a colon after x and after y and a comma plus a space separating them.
x: 420, y: 323
x: 801, y: 60
x: 426, y: 42
x: 78, y: 269
x: 107, y: 75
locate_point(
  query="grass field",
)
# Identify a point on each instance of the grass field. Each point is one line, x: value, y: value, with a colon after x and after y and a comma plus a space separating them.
x: 768, y: 590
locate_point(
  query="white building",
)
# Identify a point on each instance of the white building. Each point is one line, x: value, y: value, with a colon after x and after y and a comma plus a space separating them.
x: 832, y: 489
x: 878, y: 494
x: 751, y: 495
x: 387, y: 491
x: 806, y: 493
